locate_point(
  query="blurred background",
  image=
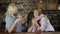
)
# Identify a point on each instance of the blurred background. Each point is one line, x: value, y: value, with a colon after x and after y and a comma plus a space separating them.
x: 50, y: 7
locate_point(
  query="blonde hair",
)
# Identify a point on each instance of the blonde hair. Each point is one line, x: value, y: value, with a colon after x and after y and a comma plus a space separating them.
x: 11, y: 9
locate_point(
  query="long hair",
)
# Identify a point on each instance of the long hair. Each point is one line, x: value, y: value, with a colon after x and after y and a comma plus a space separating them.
x: 29, y: 18
x: 11, y: 9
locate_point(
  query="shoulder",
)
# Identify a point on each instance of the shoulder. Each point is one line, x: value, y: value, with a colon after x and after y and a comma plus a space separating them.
x: 9, y: 17
x: 45, y: 16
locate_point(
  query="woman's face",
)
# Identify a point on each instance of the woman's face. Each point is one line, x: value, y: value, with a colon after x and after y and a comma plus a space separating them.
x: 15, y: 11
x: 36, y: 13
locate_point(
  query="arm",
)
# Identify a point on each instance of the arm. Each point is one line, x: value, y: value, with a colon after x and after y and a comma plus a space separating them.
x: 10, y: 23
x: 35, y: 23
x: 14, y: 24
x: 12, y: 27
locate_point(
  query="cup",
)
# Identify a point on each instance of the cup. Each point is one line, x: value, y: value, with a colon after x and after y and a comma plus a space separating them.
x: 38, y: 31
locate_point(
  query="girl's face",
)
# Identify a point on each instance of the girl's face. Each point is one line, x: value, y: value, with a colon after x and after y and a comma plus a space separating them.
x: 36, y: 13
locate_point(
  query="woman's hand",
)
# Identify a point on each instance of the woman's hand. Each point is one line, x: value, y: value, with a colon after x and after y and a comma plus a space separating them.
x: 18, y: 19
x: 35, y: 22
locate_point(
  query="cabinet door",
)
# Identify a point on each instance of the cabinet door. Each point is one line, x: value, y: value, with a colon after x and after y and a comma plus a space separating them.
x: 52, y: 1
x: 42, y: 6
x: 51, y: 6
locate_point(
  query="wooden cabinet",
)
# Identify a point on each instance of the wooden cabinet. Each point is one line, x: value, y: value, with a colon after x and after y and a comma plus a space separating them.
x: 51, y: 6
x: 47, y: 5
x: 52, y: 1
x: 42, y: 6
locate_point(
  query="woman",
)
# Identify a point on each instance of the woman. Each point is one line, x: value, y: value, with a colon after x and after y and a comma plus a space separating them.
x: 42, y: 20
x: 33, y: 26
x: 12, y: 19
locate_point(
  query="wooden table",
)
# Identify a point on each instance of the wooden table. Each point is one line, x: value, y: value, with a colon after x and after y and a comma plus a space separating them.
x: 34, y: 33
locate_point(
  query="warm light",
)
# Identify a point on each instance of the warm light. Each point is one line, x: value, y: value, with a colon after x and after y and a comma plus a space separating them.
x: 59, y: 7
x: 40, y: 1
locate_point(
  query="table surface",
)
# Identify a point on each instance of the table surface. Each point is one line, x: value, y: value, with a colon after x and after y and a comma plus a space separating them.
x: 34, y: 33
